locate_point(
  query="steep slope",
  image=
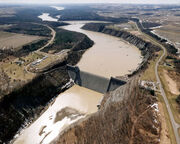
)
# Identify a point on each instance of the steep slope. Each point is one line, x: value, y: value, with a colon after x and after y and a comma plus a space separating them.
x: 127, y: 116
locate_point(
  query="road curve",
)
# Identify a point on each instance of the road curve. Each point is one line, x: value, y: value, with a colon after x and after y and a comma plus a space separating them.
x: 175, y: 125
x: 53, y: 32
x: 173, y: 122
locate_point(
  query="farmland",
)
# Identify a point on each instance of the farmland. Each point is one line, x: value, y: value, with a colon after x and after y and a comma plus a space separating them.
x: 13, y: 40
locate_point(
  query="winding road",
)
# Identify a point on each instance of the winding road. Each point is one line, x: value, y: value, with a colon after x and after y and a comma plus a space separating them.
x: 174, y: 124
x: 53, y: 32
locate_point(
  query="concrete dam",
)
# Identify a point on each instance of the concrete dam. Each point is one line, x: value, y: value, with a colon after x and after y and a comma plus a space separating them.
x: 94, y: 82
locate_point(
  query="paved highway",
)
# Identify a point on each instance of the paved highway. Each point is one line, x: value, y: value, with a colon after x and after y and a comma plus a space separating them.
x: 53, y: 33
x: 175, y: 125
x: 173, y: 122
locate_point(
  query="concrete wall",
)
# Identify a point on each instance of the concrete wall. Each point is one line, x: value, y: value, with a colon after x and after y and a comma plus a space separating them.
x: 114, y: 84
x: 93, y: 82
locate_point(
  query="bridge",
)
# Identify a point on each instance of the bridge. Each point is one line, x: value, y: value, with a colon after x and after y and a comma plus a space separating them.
x: 93, y: 82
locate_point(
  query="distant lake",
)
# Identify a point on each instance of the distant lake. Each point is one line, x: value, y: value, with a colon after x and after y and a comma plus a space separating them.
x: 109, y: 56
x: 46, y: 17
x: 58, y: 8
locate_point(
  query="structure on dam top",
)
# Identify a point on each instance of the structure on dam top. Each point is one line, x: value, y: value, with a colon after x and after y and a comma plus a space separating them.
x: 93, y: 82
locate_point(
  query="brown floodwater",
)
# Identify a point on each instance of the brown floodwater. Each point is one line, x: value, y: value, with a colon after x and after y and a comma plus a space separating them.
x: 109, y: 56
x: 45, y: 129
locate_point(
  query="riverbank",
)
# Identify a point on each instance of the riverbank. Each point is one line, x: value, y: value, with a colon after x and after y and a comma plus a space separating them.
x: 109, y: 56
x: 147, y: 49
x: 71, y: 57
x: 70, y: 106
x: 28, y: 101
x: 127, y: 115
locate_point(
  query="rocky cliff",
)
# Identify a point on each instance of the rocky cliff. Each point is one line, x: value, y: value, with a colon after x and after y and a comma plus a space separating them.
x: 144, y: 46
x: 127, y: 115
x: 147, y: 48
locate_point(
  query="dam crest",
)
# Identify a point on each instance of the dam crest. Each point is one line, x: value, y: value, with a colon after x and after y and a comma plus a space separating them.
x: 94, y: 82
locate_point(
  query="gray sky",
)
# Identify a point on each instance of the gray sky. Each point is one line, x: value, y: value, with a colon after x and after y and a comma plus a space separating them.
x: 94, y: 1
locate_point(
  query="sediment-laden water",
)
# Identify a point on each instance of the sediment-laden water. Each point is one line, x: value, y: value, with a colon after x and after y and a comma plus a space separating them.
x: 108, y: 57
x: 70, y: 106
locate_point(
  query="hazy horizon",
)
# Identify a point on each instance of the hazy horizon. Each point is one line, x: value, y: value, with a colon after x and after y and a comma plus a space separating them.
x: 90, y: 1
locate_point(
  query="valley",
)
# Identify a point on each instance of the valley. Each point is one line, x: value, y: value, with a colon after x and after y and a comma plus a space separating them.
x: 41, y: 102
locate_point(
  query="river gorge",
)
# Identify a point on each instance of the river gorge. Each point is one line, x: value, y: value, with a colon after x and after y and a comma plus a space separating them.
x: 108, y: 57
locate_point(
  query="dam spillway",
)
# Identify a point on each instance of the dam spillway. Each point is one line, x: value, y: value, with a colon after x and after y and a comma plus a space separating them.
x: 93, y: 82
x: 108, y: 57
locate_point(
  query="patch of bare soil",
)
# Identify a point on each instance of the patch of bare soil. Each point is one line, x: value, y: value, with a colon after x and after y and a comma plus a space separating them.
x: 164, y: 138
x: 171, y: 84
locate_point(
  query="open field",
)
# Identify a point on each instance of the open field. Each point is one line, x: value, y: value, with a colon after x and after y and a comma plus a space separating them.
x: 31, y: 57
x: 172, y: 84
x: 167, y: 135
x: 171, y: 32
x: 130, y: 26
x: 47, y: 61
x: 16, y: 71
x: 7, y: 12
x: 149, y: 74
x: 13, y: 41
x: 27, y: 29
x: 170, y: 95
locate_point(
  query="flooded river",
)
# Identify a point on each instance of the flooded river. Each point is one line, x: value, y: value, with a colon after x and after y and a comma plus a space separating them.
x: 108, y: 57
x: 47, y: 17
x: 70, y: 106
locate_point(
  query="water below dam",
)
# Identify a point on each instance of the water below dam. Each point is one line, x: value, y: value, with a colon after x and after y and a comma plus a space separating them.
x: 109, y: 56
x: 70, y: 106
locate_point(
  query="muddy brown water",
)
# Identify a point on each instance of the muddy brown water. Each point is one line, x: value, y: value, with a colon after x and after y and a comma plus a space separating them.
x: 81, y: 99
x: 109, y: 56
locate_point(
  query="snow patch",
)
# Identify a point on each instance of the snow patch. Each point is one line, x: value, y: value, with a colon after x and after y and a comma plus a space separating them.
x: 155, y: 106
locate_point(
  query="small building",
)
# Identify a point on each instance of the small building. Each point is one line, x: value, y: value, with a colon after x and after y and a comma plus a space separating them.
x: 148, y: 85
x: 19, y: 62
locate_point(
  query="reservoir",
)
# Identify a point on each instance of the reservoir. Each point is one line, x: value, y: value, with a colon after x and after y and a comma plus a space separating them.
x: 109, y: 56
x: 46, y: 17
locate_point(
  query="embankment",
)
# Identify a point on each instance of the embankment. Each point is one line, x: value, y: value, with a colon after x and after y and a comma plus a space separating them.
x: 147, y: 49
x: 170, y: 47
x: 127, y: 115
x: 29, y: 101
x: 65, y: 39
x: 26, y: 103
x: 144, y: 46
